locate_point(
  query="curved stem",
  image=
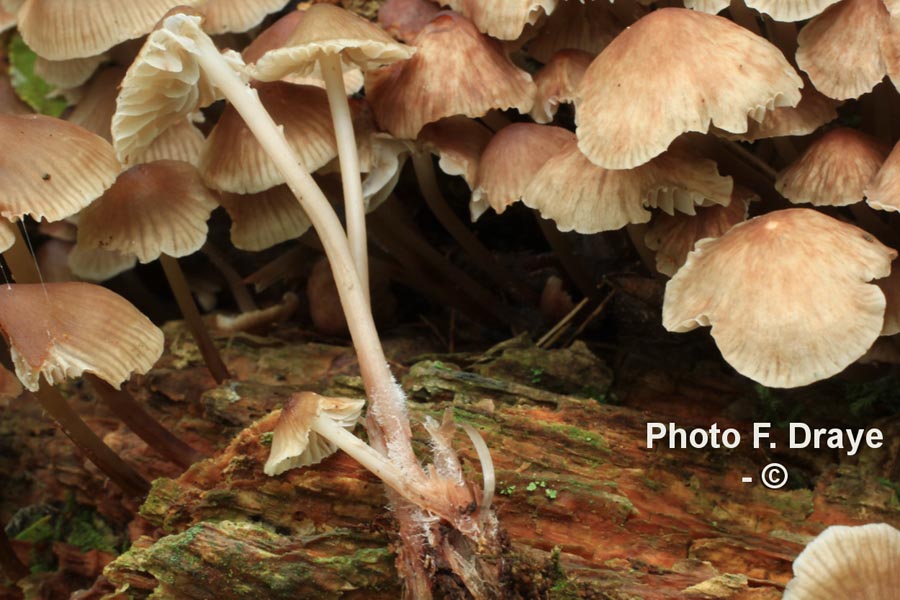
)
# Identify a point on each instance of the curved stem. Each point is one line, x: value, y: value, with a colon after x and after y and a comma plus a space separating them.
x: 354, y: 207
x: 387, y: 423
x: 179, y: 285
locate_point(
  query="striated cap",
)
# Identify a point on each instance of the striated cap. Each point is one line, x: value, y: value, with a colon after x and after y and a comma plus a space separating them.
x: 294, y: 443
x: 779, y: 10
x: 840, y: 49
x: 221, y: 16
x: 580, y: 196
x: 97, y: 264
x: 720, y: 73
x: 261, y: 220
x: 510, y: 160
x: 588, y: 26
x: 234, y: 161
x: 502, y: 19
x: 883, y: 191
x: 62, y: 330
x: 848, y: 562
x: 153, y: 208
x: 324, y: 30
x: 67, y: 74
x: 55, y: 170
x: 64, y: 29
x: 557, y: 82
x: 814, y: 110
x: 458, y: 142
x: 408, y: 95
x: 834, y: 170
x: 786, y: 294
x: 404, y: 19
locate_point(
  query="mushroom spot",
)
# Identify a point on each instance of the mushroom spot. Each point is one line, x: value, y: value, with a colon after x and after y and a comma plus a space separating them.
x: 46, y: 176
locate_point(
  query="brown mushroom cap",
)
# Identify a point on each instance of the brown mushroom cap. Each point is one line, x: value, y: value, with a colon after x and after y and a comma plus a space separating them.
x: 814, y: 110
x: 588, y: 26
x: 220, y: 16
x: 66, y: 74
x: 64, y: 29
x: 502, y: 19
x: 294, y: 444
x: 883, y: 191
x: 557, y: 82
x: 786, y: 295
x: 326, y: 29
x: 840, y: 49
x: 62, y: 330
x: 151, y: 209
x: 55, y: 170
x: 261, y: 220
x: 834, y: 170
x: 97, y: 264
x: 408, y: 95
x: 791, y: 10
x: 459, y: 142
x: 848, y: 562
x: 720, y: 73
x: 404, y: 19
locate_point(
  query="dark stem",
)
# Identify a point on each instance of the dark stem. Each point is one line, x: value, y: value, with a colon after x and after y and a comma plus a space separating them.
x: 571, y: 264
x: 124, y: 406
x: 12, y: 567
x: 52, y: 401
x: 239, y: 290
x: 192, y: 318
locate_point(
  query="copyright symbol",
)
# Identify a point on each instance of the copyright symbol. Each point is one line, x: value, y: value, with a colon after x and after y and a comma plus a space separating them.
x: 774, y: 476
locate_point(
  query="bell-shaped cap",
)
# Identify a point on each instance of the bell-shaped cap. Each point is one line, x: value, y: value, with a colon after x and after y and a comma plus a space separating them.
x: 502, y: 19
x: 408, y: 95
x: 458, y: 142
x: 153, y: 208
x: 814, y: 110
x: 294, y: 442
x: 786, y: 294
x: 326, y: 30
x: 557, y: 82
x: 97, y: 264
x: 404, y: 19
x: 588, y: 27
x: 263, y: 219
x: 62, y: 330
x: 883, y: 191
x: 834, y: 170
x: 51, y: 169
x: 67, y: 74
x: 221, y: 16
x: 848, y: 562
x: 720, y: 74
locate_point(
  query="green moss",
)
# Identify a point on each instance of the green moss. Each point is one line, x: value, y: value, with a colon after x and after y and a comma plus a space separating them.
x: 31, y: 89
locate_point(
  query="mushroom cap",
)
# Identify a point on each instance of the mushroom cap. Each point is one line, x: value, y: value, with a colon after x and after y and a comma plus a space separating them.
x: 261, y: 220
x: 719, y: 72
x: 502, y: 19
x: 459, y: 142
x: 70, y: 73
x: 221, y: 16
x: 883, y: 191
x: 890, y: 285
x: 510, y: 160
x: 814, y: 110
x: 557, y: 82
x: 62, y: 330
x: 294, y: 444
x: 848, y: 562
x: 674, y: 236
x: 408, y: 95
x: 163, y: 85
x: 234, y: 161
x: 64, y: 29
x: 325, y: 30
x: 580, y: 196
x: 756, y: 284
x: 834, y: 170
x: 574, y: 25
x: 708, y: 6
x: 404, y: 19
x: 840, y: 49
x: 97, y: 264
x: 7, y: 235
x: 57, y: 168
x: 153, y: 208
x: 791, y: 10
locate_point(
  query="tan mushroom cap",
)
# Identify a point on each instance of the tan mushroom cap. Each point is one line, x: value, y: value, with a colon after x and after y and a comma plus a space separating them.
x: 674, y: 236
x: 234, y: 161
x: 325, y: 30
x: 890, y: 285
x: 557, y: 82
x: 786, y: 295
x: 294, y: 444
x: 70, y: 73
x: 720, y: 73
x: 182, y: 141
x: 814, y: 110
x: 574, y: 25
x: 163, y: 86
x: 64, y: 29
x: 883, y: 191
x: 57, y: 168
x: 848, y: 562
x: 261, y: 220
x: 404, y: 19
x: 259, y: 319
x: 97, y: 264
x: 152, y: 209
x: 708, y: 6
x: 408, y: 95
x: 840, y: 49
x: 458, y: 142
x: 510, y: 160
x: 580, y: 196
x: 7, y: 235
x: 834, y: 170
x: 502, y: 19
x: 779, y: 10
x: 220, y: 16
x: 62, y: 330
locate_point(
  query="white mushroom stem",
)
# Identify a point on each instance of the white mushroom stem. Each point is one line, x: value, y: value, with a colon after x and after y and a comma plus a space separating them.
x: 387, y: 422
x: 412, y: 486
x: 354, y: 206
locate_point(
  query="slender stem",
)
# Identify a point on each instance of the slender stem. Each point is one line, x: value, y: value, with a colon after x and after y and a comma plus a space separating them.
x: 386, y: 416
x: 354, y: 207
x: 192, y: 317
x: 87, y: 441
x: 10, y: 565
x: 636, y: 233
x: 124, y: 406
x: 238, y: 288
x: 573, y: 267
x: 424, y: 168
